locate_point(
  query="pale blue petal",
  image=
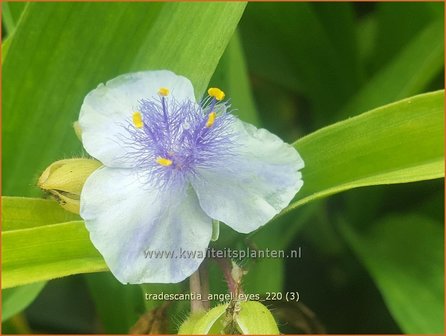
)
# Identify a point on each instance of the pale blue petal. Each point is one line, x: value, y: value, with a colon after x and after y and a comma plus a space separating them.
x: 107, y: 110
x: 257, y: 183
x: 126, y: 218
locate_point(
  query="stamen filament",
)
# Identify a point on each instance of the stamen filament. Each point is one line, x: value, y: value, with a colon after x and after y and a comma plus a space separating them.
x: 211, y: 119
x: 165, y: 115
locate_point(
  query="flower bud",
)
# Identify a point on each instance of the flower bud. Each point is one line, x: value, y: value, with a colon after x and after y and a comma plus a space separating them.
x: 204, y: 323
x: 189, y: 325
x: 64, y: 180
x: 255, y: 318
x: 237, y: 317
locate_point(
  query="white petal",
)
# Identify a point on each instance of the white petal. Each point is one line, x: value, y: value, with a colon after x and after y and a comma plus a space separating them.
x: 126, y: 219
x: 250, y: 189
x: 109, y: 107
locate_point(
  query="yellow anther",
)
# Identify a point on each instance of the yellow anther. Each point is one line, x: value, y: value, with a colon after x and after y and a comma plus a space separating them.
x: 163, y: 92
x: 137, y: 120
x: 216, y: 93
x: 211, y: 119
x: 163, y: 161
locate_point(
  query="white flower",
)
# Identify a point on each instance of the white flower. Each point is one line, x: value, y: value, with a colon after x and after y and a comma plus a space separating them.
x: 171, y: 166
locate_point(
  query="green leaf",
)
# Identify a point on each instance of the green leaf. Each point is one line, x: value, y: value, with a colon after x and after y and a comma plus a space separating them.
x: 23, y: 213
x: 61, y: 51
x: 11, y: 13
x: 188, y: 28
x: 309, y: 48
x: 47, y: 252
x: 15, y: 10
x: 404, y: 255
x: 270, y: 270
x: 7, y: 18
x: 14, y: 300
x: 232, y: 75
x: 408, y: 73
x: 397, y: 143
x: 391, y: 38
x: 5, y: 47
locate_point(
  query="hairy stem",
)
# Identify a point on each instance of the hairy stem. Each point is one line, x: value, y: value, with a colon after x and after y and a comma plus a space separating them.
x: 226, y: 266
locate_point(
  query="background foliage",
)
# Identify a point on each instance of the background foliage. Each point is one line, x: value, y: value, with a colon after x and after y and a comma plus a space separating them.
x: 372, y: 257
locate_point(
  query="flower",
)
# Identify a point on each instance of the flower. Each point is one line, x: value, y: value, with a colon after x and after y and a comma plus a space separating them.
x: 171, y: 166
x: 64, y: 180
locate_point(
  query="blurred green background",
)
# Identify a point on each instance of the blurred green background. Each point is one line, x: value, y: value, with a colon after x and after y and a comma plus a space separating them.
x: 372, y: 257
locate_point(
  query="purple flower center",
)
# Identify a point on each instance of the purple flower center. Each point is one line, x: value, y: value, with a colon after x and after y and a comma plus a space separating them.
x: 170, y: 139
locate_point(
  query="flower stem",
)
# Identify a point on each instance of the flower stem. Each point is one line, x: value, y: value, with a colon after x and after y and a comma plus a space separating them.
x: 195, y: 287
x: 204, y: 280
x: 226, y: 266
